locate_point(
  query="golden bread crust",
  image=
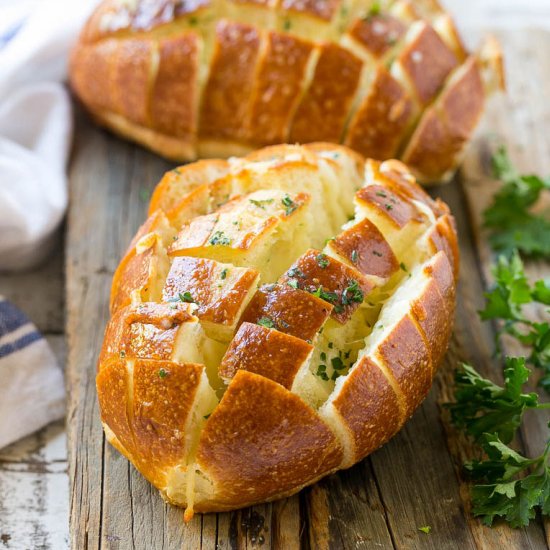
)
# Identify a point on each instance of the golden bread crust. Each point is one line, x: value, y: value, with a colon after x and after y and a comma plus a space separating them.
x: 276, y: 318
x: 249, y: 457
x: 193, y: 78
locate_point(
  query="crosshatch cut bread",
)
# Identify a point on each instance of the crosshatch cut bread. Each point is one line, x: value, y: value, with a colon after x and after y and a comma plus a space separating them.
x: 277, y: 317
x: 214, y: 78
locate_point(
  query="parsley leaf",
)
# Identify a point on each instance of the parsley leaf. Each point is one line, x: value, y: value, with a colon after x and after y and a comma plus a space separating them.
x: 352, y: 293
x: 219, y: 238
x: 289, y: 205
x: 505, y: 300
x: 322, y: 260
x: 484, y: 407
x: 510, y: 220
x: 184, y: 297
x: 261, y: 203
x: 500, y: 493
x: 266, y: 322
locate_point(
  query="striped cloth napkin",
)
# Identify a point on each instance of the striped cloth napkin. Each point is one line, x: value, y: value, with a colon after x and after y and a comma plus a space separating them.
x: 31, y: 383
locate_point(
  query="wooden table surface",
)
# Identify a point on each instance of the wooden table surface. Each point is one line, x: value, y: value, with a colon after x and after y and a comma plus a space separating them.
x: 380, y: 503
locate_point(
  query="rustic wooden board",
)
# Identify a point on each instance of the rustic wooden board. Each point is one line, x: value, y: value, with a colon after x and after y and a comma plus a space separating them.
x: 411, y: 482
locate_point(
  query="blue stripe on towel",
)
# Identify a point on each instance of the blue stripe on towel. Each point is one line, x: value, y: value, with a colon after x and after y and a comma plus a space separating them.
x: 23, y: 342
x: 11, y: 32
x: 10, y: 318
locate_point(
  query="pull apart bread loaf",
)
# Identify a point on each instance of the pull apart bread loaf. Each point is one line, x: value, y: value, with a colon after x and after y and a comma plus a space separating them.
x: 277, y: 317
x: 214, y: 78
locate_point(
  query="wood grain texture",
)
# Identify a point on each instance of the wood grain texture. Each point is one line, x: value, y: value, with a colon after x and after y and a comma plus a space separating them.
x: 380, y: 503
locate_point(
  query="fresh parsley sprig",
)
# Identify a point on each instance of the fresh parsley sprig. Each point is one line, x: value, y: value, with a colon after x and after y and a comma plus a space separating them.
x: 510, y: 219
x: 505, y: 301
x: 482, y: 406
x: 500, y: 492
x: 506, y: 484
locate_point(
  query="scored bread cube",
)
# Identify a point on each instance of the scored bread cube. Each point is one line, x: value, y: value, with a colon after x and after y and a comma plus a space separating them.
x: 226, y: 96
x: 149, y: 330
x: 382, y: 119
x: 362, y: 246
x: 156, y: 223
x: 180, y: 181
x: 442, y: 236
x: 402, y: 216
x: 278, y: 88
x: 261, y: 230
x: 246, y: 454
x: 329, y: 97
x: 377, y: 33
x: 140, y: 275
x: 342, y: 286
x: 169, y: 331
x: 175, y: 92
x: 329, y: 180
x: 424, y: 63
x: 152, y: 409
x: 446, y: 126
x: 220, y: 291
x: 417, y: 313
x: 365, y: 410
x: 265, y: 351
x: 290, y: 310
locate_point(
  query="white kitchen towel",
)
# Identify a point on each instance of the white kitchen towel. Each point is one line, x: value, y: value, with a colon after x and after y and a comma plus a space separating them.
x: 35, y: 123
x: 31, y: 382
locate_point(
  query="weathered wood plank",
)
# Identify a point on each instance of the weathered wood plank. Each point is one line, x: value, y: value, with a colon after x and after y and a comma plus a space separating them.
x: 34, y: 491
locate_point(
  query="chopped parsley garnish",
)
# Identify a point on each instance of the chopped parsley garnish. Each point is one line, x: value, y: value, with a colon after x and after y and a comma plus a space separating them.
x: 223, y: 274
x: 163, y: 373
x: 381, y: 194
x: 403, y: 267
x: 261, y: 203
x: 219, y: 238
x: 293, y: 283
x: 337, y: 363
x: 322, y: 260
x: 376, y: 253
x: 388, y: 206
x: 266, y: 322
x: 295, y: 272
x: 323, y: 356
x: 286, y: 25
x: 207, y: 416
x: 354, y: 256
x: 330, y: 297
x: 374, y: 10
x: 321, y: 372
x: 289, y: 205
x: 122, y: 353
x: 352, y: 293
x: 183, y: 297
x: 193, y: 21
